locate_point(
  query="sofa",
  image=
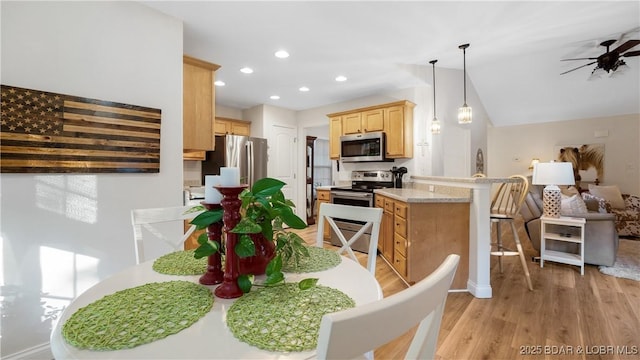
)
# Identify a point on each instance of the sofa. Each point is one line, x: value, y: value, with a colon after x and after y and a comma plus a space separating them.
x: 627, y: 218
x: 600, y: 239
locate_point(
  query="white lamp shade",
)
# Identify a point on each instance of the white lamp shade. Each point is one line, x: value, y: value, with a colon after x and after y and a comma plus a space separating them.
x: 553, y: 173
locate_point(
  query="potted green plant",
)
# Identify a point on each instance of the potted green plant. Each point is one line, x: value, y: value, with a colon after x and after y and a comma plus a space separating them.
x: 264, y: 243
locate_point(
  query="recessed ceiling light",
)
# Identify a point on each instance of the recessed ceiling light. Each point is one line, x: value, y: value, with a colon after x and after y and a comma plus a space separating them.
x: 246, y: 70
x: 282, y: 54
x: 341, y: 78
x: 274, y: 97
x: 304, y: 89
x: 219, y: 83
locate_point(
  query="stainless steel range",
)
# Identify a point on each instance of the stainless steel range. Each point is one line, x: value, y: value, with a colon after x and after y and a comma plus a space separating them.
x: 360, y: 193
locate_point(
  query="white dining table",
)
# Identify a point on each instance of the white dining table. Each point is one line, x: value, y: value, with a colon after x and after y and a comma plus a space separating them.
x: 209, y: 337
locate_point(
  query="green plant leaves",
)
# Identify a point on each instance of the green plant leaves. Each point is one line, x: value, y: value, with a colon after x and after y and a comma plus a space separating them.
x: 245, y: 282
x: 274, y: 271
x: 292, y: 219
x: 245, y: 246
x: 274, y: 279
x: 274, y: 265
x: 246, y: 226
x: 205, y: 249
x: 307, y: 283
x: 207, y: 218
x: 203, y: 238
x: 266, y: 187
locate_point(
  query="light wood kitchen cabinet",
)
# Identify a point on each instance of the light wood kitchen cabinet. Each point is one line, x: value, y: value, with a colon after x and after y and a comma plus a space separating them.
x: 394, y: 119
x: 373, y: 120
x: 352, y: 123
x: 194, y: 155
x: 398, y: 126
x: 192, y: 240
x: 363, y: 122
x: 324, y: 196
x: 198, y: 104
x: 385, y: 240
x: 226, y: 126
x: 335, y: 131
x: 417, y: 237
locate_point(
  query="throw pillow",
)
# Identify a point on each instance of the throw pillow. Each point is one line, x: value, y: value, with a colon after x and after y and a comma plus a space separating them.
x: 610, y: 194
x: 572, y: 205
x: 569, y: 190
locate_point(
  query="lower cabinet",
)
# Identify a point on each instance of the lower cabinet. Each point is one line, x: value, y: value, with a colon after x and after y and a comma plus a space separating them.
x: 416, y: 237
x: 192, y: 241
x: 324, y: 196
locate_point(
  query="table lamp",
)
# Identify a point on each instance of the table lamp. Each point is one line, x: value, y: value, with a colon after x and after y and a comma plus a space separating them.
x: 552, y: 174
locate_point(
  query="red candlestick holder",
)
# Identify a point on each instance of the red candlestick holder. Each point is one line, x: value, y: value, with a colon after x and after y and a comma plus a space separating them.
x: 214, y: 274
x: 229, y: 288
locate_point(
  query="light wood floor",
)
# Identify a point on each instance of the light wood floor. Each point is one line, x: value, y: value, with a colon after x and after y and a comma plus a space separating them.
x: 596, y: 314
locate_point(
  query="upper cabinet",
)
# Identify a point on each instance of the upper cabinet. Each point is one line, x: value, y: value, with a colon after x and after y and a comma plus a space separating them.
x: 395, y: 119
x: 335, y: 131
x: 363, y: 122
x: 398, y: 126
x: 198, y: 104
x: 226, y: 126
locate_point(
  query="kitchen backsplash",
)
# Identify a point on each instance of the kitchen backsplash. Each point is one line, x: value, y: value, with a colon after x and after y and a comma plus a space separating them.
x: 192, y: 173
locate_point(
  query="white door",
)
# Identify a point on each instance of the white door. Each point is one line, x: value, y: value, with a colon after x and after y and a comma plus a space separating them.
x: 283, y: 158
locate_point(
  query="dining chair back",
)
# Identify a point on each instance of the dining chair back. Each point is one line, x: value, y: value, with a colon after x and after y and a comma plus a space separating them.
x: 369, y: 218
x: 150, y: 221
x: 505, y: 205
x: 351, y: 332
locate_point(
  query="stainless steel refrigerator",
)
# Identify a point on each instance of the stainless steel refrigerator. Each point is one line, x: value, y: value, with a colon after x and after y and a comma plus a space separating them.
x: 244, y: 152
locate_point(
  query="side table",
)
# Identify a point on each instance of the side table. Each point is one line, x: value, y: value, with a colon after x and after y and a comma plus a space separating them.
x: 561, y: 230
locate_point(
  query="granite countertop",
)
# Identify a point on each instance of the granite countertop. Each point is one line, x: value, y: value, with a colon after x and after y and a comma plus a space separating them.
x: 470, y: 180
x: 420, y: 196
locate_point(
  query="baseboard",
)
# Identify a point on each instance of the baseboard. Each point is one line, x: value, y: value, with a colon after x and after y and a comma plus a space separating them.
x: 38, y: 352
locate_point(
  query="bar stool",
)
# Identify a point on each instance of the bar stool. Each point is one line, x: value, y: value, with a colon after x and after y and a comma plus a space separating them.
x: 504, y: 208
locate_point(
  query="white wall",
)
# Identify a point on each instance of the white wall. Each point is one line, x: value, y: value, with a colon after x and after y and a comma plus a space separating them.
x: 62, y: 233
x: 228, y: 112
x: 511, y: 148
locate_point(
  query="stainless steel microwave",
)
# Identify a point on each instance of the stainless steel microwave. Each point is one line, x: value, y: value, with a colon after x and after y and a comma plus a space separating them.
x: 363, y: 147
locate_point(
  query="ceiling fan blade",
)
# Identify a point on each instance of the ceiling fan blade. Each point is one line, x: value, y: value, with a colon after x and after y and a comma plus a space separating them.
x: 626, y: 46
x: 631, y: 53
x: 589, y: 58
x: 579, y: 67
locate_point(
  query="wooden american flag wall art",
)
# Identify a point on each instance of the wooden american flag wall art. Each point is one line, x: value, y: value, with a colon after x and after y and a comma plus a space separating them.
x: 44, y: 132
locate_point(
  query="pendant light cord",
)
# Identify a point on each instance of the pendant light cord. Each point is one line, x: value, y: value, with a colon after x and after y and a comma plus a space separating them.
x: 433, y: 62
x: 464, y: 73
x: 464, y: 70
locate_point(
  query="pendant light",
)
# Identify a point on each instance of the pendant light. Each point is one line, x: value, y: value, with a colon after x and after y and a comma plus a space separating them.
x: 435, y: 124
x: 464, y: 113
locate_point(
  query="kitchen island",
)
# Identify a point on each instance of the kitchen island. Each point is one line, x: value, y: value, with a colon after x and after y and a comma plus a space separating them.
x: 420, y: 229
x: 479, y: 284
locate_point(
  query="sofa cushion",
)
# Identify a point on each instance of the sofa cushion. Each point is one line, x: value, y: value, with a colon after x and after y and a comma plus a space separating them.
x: 572, y: 205
x: 608, y: 193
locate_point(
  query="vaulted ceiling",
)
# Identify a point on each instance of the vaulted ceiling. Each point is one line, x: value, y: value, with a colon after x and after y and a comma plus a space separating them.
x: 513, y: 62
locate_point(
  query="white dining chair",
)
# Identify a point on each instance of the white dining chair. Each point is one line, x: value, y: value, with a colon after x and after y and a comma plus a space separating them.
x: 369, y: 218
x: 149, y: 221
x: 351, y: 333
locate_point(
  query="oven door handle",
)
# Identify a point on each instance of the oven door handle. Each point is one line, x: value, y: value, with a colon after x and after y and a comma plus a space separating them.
x: 352, y: 195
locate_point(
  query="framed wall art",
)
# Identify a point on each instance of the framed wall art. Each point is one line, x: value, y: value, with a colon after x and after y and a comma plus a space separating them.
x: 44, y: 132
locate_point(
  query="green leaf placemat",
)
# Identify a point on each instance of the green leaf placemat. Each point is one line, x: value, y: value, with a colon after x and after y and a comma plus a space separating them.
x: 137, y: 316
x: 284, y: 318
x: 180, y: 263
x: 319, y: 259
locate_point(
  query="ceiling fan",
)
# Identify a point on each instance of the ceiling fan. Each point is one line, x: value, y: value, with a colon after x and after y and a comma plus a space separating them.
x: 610, y: 60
